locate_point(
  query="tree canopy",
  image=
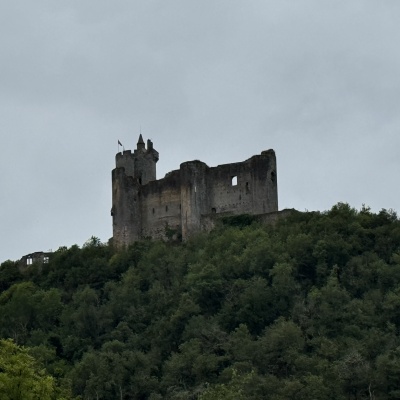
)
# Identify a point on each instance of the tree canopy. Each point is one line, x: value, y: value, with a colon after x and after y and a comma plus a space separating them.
x: 308, y: 308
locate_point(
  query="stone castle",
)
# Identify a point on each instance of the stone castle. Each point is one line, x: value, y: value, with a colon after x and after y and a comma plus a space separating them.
x: 186, y: 200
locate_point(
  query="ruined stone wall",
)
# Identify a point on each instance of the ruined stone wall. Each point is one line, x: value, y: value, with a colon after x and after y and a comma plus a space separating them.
x: 176, y: 206
x: 230, y: 189
x: 39, y: 258
x: 211, y: 221
x: 266, y: 191
x: 161, y: 207
x: 194, y: 195
x: 126, y: 208
x: 245, y: 187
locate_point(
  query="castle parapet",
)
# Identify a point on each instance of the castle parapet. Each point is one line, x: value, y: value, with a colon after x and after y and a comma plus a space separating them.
x: 126, y: 160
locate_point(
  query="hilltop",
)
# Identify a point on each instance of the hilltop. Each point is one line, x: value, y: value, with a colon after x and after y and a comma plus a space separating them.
x: 305, y: 308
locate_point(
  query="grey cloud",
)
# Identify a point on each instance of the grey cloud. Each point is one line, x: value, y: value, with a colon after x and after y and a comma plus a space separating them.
x: 212, y: 80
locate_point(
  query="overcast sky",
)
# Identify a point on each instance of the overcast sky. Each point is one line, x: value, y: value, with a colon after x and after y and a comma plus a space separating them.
x: 216, y: 80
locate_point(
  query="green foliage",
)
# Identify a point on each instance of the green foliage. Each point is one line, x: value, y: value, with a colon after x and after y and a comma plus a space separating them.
x: 21, y: 378
x: 235, y: 389
x: 239, y: 221
x: 9, y: 274
x: 305, y: 309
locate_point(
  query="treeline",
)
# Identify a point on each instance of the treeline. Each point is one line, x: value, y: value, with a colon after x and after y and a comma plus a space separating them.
x: 306, y: 309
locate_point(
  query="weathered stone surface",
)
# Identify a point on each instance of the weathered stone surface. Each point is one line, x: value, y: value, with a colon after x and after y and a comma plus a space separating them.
x: 178, y: 205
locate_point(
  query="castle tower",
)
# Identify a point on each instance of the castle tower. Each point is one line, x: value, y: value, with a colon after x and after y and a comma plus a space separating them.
x: 145, y: 162
x: 140, y: 143
x: 131, y: 172
x: 125, y: 211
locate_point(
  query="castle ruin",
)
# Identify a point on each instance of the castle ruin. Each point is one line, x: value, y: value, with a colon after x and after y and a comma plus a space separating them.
x: 185, y: 200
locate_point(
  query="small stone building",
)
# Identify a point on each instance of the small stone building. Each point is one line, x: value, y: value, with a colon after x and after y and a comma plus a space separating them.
x: 38, y: 257
x: 182, y: 203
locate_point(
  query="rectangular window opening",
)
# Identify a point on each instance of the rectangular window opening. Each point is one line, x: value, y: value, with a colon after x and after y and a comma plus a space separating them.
x: 234, y: 180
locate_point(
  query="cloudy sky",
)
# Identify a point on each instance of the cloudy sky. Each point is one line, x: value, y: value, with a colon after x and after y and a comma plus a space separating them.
x: 216, y: 80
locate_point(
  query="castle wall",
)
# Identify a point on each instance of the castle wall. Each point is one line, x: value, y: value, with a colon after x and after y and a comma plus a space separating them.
x: 161, y: 207
x: 194, y: 196
x: 264, y: 178
x: 252, y: 191
x: 126, y: 208
x: 210, y: 221
x: 178, y: 204
x: 224, y: 194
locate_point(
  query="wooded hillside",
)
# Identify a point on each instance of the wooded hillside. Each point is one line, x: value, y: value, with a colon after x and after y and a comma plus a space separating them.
x: 306, y: 309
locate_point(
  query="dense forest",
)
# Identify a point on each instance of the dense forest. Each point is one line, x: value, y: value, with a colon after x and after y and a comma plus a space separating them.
x: 306, y: 309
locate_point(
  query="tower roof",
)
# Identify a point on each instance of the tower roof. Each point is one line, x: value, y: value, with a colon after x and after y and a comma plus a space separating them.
x: 140, y: 141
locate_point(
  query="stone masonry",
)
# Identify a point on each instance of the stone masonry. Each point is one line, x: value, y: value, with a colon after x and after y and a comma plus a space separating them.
x: 180, y: 204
